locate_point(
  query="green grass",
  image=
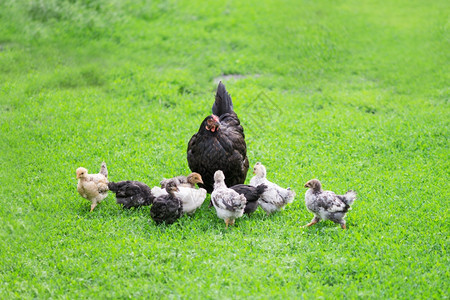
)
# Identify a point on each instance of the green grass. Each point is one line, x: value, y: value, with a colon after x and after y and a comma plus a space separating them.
x: 353, y: 93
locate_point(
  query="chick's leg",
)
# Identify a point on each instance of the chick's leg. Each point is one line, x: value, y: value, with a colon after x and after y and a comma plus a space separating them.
x: 93, y: 205
x: 226, y: 223
x: 342, y: 222
x: 313, y: 221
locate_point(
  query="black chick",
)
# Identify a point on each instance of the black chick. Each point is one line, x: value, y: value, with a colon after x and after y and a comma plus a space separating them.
x: 219, y: 144
x: 167, y: 208
x: 250, y: 193
x: 131, y: 193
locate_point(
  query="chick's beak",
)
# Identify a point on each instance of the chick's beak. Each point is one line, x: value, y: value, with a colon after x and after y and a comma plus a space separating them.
x: 306, y: 185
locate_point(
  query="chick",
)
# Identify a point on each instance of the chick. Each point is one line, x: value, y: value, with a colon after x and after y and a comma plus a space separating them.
x: 188, y: 181
x: 326, y: 205
x: 191, y: 198
x: 93, y: 187
x: 228, y: 203
x: 250, y: 193
x: 275, y: 197
x: 167, y: 208
x: 131, y: 193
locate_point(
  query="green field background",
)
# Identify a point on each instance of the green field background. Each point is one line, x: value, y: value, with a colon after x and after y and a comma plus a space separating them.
x: 354, y: 93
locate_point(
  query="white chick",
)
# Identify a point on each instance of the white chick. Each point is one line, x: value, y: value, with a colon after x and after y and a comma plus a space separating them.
x: 275, y: 197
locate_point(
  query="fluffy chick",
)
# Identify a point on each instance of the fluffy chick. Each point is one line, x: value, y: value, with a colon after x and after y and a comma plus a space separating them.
x: 228, y: 203
x: 131, y: 193
x: 326, y: 205
x: 167, y: 208
x: 188, y: 181
x: 251, y: 194
x: 275, y: 197
x: 191, y: 198
x: 93, y: 187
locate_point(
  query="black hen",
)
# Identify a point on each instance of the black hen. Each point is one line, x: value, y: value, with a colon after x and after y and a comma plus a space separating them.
x: 219, y: 144
x: 250, y: 193
x: 131, y: 193
x: 167, y: 208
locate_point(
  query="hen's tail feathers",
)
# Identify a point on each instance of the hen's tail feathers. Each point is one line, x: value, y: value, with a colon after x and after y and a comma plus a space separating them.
x: 350, y: 197
x: 261, y: 189
x: 113, y: 187
x: 104, y: 170
x: 223, y: 103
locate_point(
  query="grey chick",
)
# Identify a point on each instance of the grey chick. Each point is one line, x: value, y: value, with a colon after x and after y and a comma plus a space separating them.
x: 326, y: 205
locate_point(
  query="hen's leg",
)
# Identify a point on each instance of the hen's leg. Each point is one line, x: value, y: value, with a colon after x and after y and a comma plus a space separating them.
x: 313, y: 221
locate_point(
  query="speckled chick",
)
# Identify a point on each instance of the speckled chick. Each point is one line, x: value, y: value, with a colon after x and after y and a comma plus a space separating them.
x: 326, y: 205
x: 228, y: 203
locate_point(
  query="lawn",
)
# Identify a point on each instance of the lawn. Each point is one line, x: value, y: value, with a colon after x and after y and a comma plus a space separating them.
x: 354, y: 93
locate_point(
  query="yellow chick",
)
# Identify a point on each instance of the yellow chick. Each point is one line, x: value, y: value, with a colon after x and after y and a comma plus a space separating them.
x: 93, y: 187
